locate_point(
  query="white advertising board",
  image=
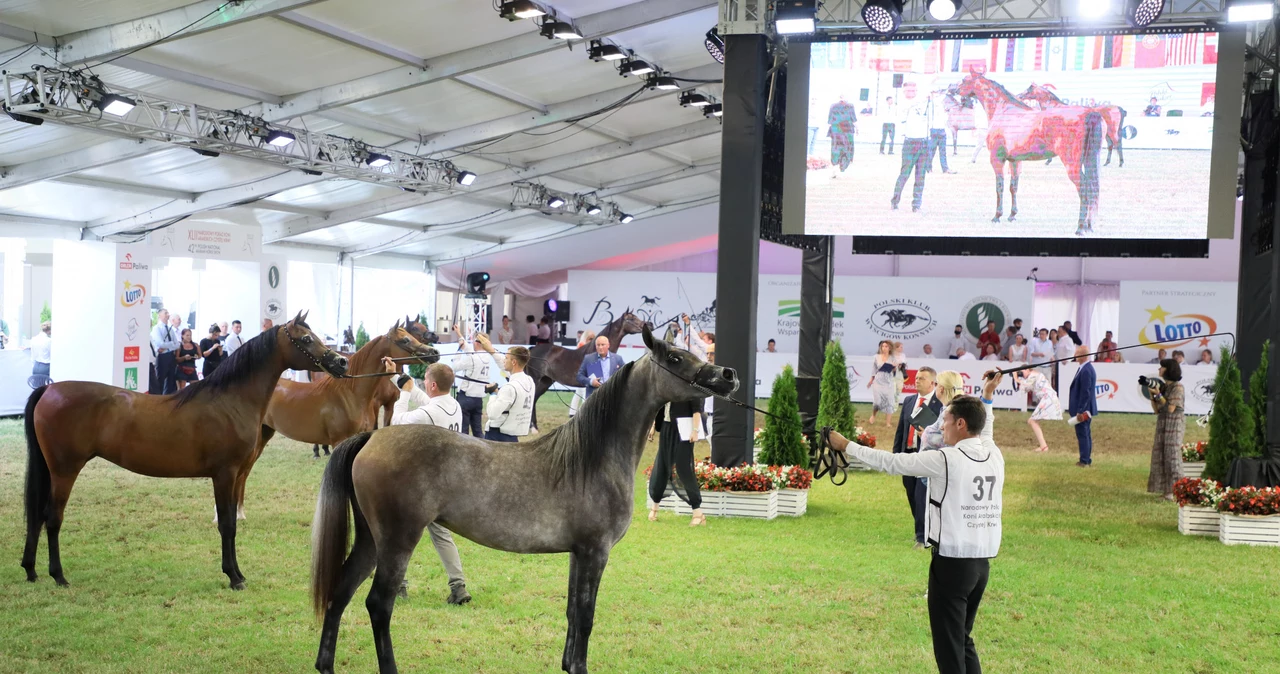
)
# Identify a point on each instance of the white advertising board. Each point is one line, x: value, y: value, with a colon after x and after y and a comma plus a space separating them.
x: 1177, y: 313
x: 1117, y: 387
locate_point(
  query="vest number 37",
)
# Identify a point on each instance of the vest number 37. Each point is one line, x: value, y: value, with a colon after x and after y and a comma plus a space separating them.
x: 986, y: 487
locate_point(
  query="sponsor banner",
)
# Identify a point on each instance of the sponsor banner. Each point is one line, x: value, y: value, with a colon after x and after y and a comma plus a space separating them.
x: 208, y: 241
x: 131, y: 305
x: 274, y: 290
x: 865, y: 309
x: 1117, y: 387
x: 1178, y: 313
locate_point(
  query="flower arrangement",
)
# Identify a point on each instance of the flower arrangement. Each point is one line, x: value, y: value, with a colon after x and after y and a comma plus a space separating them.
x: 815, y: 163
x: 1250, y: 501
x: 756, y: 435
x: 757, y: 478
x: 864, y: 438
x: 1193, y: 451
x: 1194, y: 491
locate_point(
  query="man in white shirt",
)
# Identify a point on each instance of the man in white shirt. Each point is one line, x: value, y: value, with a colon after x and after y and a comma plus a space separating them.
x: 544, y: 331
x: 1040, y: 350
x: 692, y: 341
x: 41, y: 350
x: 472, y: 372
x: 433, y: 408
x: 511, y: 409
x: 531, y: 329
x: 966, y: 485
x: 956, y: 343
x: 965, y: 355
x: 164, y: 343
x: 234, y: 339
x: 916, y: 116
x: 928, y: 351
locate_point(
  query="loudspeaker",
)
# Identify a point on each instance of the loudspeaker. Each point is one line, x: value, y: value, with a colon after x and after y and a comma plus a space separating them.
x: 897, y: 80
x: 562, y: 311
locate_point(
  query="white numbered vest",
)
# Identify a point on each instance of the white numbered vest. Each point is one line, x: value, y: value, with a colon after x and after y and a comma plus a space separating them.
x: 472, y: 366
x: 964, y: 510
x: 443, y: 411
x: 517, y: 419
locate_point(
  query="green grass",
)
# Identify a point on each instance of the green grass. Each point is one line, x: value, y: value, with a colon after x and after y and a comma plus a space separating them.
x: 1092, y: 577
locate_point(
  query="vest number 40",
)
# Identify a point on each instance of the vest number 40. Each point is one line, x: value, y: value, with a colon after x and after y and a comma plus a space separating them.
x: 986, y: 487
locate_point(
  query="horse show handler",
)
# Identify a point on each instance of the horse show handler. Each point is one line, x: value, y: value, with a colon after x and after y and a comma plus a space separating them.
x: 473, y: 371
x: 434, y: 407
x: 963, y: 519
x: 511, y: 410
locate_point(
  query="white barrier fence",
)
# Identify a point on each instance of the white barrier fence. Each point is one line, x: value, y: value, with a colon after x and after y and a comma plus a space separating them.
x: 1117, y: 387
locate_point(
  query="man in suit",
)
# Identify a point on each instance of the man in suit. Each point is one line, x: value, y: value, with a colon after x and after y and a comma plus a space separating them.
x: 597, y: 367
x: 906, y: 440
x: 1083, y: 405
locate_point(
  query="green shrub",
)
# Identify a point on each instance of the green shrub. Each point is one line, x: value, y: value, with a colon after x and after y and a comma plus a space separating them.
x: 1258, y: 396
x: 362, y: 337
x: 782, y: 441
x: 1231, y: 424
x: 835, y: 409
x: 46, y: 314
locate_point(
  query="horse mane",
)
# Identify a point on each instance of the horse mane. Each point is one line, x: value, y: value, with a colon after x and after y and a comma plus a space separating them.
x: 363, y: 354
x: 242, y: 364
x: 1008, y: 95
x: 574, y: 449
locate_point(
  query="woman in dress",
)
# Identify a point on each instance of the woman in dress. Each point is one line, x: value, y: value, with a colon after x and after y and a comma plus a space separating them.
x: 188, y: 354
x: 881, y: 385
x: 989, y: 352
x: 1166, y: 453
x: 1018, y: 350
x: 1045, y: 400
x: 211, y: 349
x: 679, y: 426
x: 900, y: 372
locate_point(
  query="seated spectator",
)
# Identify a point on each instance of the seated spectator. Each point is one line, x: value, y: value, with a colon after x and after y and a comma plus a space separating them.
x: 1206, y: 358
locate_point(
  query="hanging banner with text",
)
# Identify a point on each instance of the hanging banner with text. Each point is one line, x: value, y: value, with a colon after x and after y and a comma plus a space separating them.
x: 208, y: 241
x: 1152, y: 311
x: 132, y: 309
x: 1117, y: 386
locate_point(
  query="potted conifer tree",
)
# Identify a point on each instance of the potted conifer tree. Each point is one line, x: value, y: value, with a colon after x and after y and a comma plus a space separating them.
x: 782, y: 440
x: 835, y: 406
x: 1231, y: 425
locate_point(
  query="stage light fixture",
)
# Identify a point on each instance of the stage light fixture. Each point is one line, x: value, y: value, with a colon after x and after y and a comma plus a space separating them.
x: 635, y: 66
x: 882, y: 16
x: 115, y: 104
x: 560, y: 31
x: 714, y: 44
x: 1142, y: 13
x: 206, y: 153
x: 663, y: 82
x: 377, y: 160
x: 605, y: 52
x: 279, y: 138
x: 520, y: 9
x: 1244, y: 11
x: 25, y: 119
x: 466, y: 178
x: 554, y: 202
x: 625, y: 218
x: 944, y: 10
x: 794, y: 16
x: 693, y: 99
x: 714, y: 110
x: 593, y: 209
x: 476, y: 281
x: 311, y: 172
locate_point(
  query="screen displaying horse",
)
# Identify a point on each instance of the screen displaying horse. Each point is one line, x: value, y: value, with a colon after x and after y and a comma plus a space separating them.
x: 1079, y: 136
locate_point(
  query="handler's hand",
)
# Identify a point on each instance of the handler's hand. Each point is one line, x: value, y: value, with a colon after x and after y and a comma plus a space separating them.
x: 838, y: 442
x: 990, y: 381
x: 388, y: 364
x: 483, y: 340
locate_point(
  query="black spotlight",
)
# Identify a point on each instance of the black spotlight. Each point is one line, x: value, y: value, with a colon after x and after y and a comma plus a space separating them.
x: 476, y: 281
x: 1142, y: 13
x: 794, y: 16
x: 25, y: 119
x: 882, y: 16
x: 714, y: 44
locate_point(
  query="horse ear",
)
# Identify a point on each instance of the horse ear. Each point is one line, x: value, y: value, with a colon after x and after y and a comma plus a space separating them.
x: 648, y: 336
x: 298, y: 318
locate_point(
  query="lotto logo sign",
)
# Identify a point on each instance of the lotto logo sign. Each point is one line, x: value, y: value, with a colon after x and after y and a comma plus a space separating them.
x: 132, y: 354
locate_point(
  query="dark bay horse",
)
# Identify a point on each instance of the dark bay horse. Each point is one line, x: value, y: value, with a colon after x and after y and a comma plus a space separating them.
x: 208, y: 429
x: 570, y: 490
x: 1112, y: 115
x: 553, y: 363
x: 1019, y: 132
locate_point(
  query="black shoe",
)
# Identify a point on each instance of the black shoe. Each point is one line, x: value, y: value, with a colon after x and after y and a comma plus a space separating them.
x: 1081, y: 464
x: 459, y: 595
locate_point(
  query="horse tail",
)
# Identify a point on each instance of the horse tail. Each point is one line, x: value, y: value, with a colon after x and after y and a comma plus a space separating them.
x: 329, y: 528
x: 39, y: 484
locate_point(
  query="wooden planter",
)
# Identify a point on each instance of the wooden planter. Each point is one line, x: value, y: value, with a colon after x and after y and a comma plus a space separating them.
x: 1192, y: 468
x: 757, y: 504
x: 1197, y: 521
x: 793, y: 502
x: 1249, y: 530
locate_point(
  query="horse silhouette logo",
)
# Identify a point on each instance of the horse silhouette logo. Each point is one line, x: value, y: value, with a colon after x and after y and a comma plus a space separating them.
x: 900, y: 319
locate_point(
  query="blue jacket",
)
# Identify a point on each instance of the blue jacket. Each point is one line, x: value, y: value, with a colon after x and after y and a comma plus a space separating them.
x: 591, y: 366
x: 904, y: 422
x: 1082, y: 393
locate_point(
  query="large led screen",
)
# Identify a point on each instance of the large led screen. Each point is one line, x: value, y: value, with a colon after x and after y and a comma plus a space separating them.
x: 1090, y: 137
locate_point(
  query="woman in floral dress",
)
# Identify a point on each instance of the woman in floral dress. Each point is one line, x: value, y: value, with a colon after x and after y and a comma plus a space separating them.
x: 1166, y: 453
x: 1046, y: 402
x: 883, y: 390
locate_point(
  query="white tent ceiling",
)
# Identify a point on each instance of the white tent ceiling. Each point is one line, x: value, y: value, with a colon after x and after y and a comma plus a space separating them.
x: 448, y: 79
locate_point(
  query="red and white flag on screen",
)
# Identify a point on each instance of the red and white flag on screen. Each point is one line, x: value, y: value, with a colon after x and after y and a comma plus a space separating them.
x: 1210, y: 48
x: 1184, y: 50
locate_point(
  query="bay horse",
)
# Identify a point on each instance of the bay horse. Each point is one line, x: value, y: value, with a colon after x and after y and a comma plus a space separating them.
x: 571, y: 490
x: 552, y: 363
x: 1112, y: 115
x: 208, y: 429
x: 1019, y: 132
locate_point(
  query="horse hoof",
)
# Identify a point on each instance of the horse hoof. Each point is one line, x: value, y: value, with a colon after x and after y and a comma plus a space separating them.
x: 238, y: 585
x: 61, y: 581
x: 1012, y: 216
x: 995, y: 219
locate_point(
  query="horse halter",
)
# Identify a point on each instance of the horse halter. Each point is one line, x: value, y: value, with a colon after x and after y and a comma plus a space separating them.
x: 711, y: 394
x: 318, y: 361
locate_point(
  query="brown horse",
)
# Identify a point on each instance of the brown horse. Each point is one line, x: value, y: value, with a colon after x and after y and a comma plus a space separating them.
x: 1018, y: 132
x: 1113, y: 115
x: 209, y: 429
x: 552, y: 363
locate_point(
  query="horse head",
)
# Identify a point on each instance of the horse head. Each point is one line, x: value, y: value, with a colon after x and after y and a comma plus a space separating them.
x: 420, y: 331
x: 687, y: 377
x: 308, y: 352
x: 631, y: 324
x: 405, y: 345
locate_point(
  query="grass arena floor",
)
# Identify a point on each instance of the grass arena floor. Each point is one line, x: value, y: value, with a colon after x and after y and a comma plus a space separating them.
x: 1092, y: 577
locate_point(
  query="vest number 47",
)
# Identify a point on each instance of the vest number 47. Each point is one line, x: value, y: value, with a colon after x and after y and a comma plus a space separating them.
x: 986, y: 487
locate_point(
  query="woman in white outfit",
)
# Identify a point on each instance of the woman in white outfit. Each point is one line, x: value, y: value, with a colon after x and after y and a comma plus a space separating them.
x: 882, y: 387
x: 899, y: 372
x: 1045, y: 399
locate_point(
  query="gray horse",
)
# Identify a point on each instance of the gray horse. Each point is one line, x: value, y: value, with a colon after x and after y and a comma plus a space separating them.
x: 572, y: 490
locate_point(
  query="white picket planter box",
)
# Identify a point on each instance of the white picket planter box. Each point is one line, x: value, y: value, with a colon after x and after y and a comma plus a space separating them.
x: 1192, y: 468
x: 759, y: 505
x: 1197, y: 521
x: 755, y: 454
x: 793, y: 502
x: 1249, y: 530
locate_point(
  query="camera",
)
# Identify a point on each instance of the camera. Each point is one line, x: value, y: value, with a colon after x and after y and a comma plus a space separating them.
x: 1143, y: 381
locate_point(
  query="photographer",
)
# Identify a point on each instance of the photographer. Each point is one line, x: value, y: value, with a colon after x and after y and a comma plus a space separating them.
x: 1166, y: 452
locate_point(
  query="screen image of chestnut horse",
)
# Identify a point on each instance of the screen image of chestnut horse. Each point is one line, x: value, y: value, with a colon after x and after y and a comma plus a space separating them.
x: 1112, y: 115
x: 570, y: 490
x: 552, y: 363
x: 208, y: 429
x: 1018, y: 132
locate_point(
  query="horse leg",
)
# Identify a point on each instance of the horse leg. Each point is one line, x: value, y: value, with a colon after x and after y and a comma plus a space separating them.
x: 394, y: 550
x: 999, y: 168
x: 224, y: 498
x: 571, y: 611
x: 315, y: 450
x: 355, y: 570
x: 1014, y: 170
x: 265, y: 437
x: 326, y: 449
x: 60, y: 491
x: 591, y: 568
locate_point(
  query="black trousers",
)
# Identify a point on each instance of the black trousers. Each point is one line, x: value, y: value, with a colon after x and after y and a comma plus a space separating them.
x: 916, y: 495
x: 472, y: 408
x: 166, y: 372
x: 915, y: 157
x: 955, y: 591
x: 677, y: 453
x: 937, y: 144
x: 886, y: 131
